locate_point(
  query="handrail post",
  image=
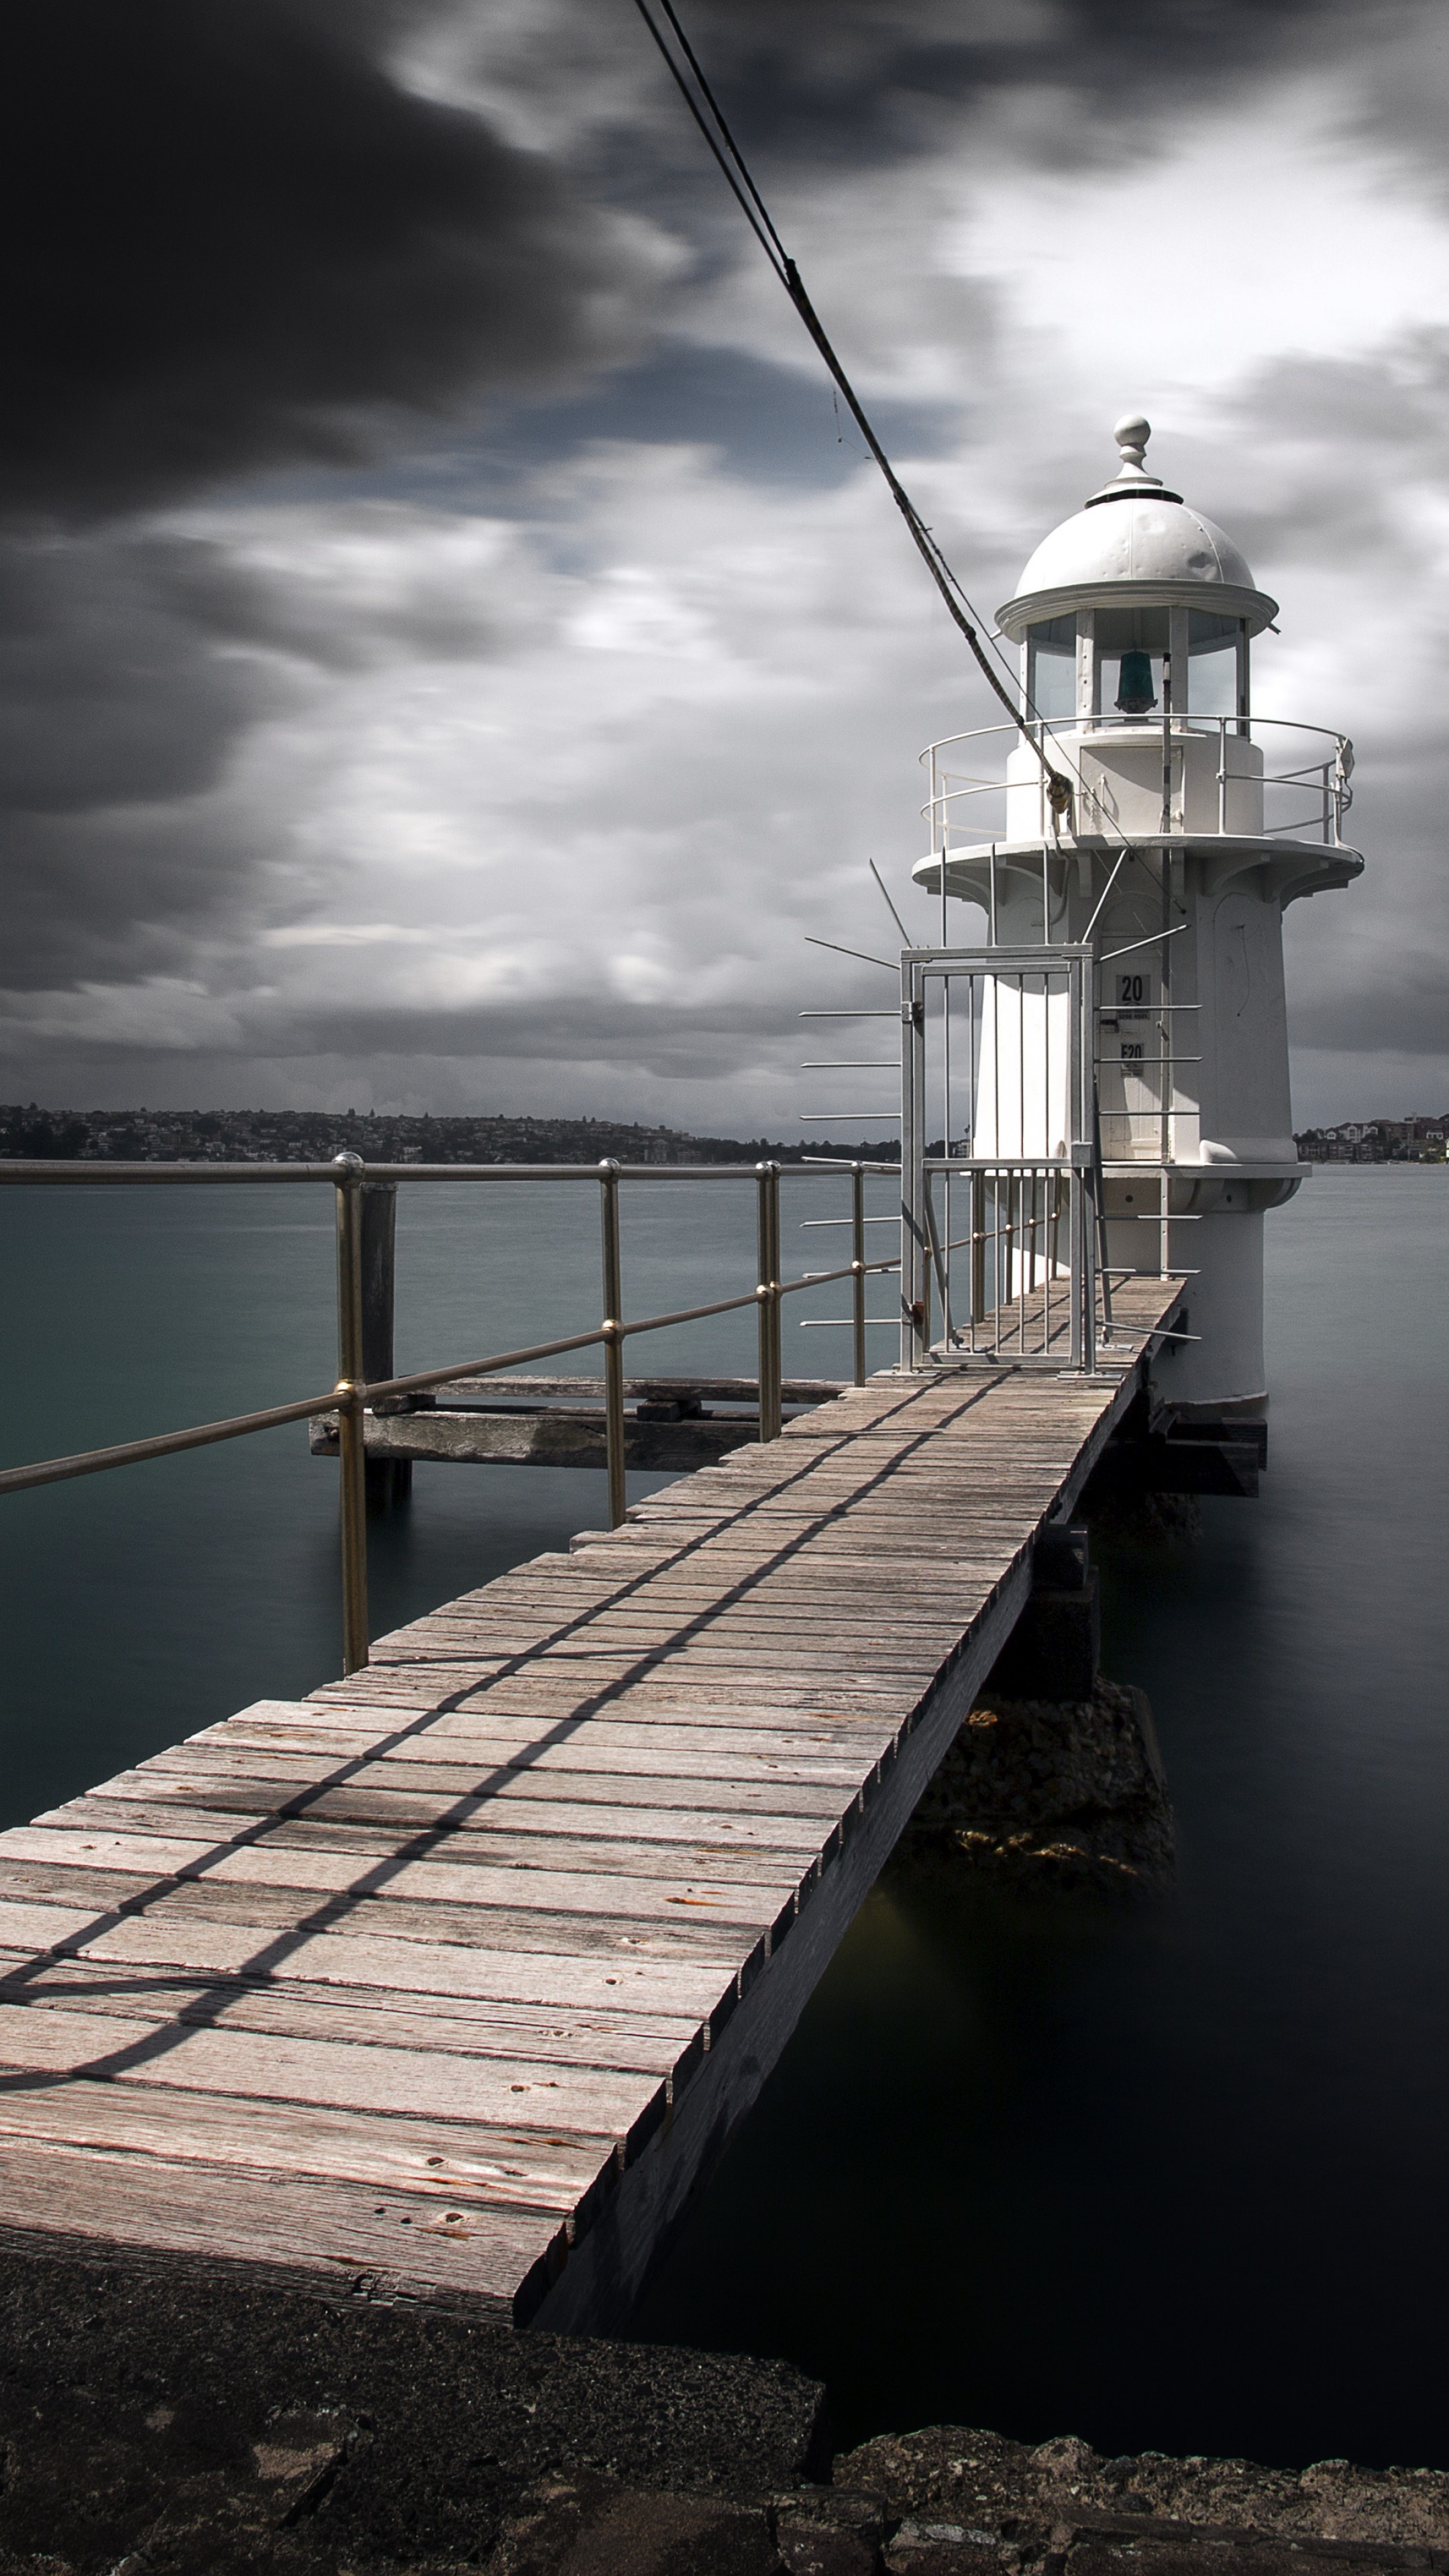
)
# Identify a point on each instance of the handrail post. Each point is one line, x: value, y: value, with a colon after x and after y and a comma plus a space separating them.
x: 388, y: 1480
x: 857, y: 1266
x: 614, y: 1433
x: 351, y: 1436
x: 767, y: 1293
x: 777, y: 1305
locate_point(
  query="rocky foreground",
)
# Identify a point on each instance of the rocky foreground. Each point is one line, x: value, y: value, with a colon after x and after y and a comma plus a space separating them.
x: 150, y: 2424
x: 954, y: 2499
x: 949, y: 2501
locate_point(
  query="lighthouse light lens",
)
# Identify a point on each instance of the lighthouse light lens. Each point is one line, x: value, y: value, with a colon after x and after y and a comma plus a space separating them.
x: 1135, y: 692
x: 1131, y: 644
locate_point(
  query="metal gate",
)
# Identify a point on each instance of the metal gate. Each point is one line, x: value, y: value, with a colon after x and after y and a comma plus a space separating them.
x: 1000, y: 1159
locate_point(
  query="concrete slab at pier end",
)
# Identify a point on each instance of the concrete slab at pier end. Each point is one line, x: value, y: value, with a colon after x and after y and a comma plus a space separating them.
x: 449, y: 1983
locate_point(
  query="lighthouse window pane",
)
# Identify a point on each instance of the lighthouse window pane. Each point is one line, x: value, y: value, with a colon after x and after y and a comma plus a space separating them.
x: 1052, y: 668
x: 1131, y: 644
x: 1213, y: 649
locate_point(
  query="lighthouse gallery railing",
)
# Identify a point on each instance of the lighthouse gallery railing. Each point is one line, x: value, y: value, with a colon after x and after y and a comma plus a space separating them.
x: 1322, y: 777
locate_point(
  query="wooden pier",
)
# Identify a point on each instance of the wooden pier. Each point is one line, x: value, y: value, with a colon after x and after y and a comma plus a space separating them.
x: 450, y: 1982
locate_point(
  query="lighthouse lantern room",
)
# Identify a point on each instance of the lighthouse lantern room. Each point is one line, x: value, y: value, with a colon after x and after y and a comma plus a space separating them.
x: 1142, y: 810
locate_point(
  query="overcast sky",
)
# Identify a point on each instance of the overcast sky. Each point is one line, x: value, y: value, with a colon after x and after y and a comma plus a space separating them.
x: 455, y: 651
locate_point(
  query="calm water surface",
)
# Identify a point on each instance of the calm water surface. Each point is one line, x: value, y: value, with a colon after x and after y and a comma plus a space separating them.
x: 1177, y: 2181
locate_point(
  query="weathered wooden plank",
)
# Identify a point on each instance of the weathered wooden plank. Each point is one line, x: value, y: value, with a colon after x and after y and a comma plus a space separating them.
x: 455, y: 1737
x: 512, y: 1437
x: 186, y: 2057
x: 746, y: 1819
x: 427, y: 2160
x: 653, y: 1390
x: 362, y: 2016
x: 456, y: 1762
x: 273, y: 1918
x: 383, y: 1794
x: 354, y: 1953
x: 272, y: 1863
x: 691, y: 1850
x: 309, y: 2234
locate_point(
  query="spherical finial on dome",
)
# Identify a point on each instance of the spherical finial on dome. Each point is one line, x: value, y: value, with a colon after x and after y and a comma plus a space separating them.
x: 1132, y: 434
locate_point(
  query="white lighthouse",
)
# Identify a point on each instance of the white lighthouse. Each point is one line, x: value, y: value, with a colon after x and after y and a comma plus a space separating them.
x: 1191, y: 825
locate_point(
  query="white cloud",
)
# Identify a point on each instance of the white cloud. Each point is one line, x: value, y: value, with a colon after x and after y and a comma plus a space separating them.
x: 1259, y: 231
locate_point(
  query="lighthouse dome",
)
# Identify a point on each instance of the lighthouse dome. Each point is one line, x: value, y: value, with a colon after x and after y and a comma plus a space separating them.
x: 1136, y: 542
x: 1146, y: 537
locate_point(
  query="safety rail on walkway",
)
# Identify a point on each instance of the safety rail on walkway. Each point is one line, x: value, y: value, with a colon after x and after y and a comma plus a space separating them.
x: 352, y: 1395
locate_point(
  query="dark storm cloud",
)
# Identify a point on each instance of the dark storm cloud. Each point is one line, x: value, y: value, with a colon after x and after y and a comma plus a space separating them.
x: 1357, y: 433
x: 1399, y: 1005
x: 233, y: 236
x: 107, y: 897
x: 291, y: 609
x: 105, y: 698
x: 238, y: 240
x: 701, y: 1042
x: 234, y: 241
x: 812, y: 82
x: 114, y: 725
x: 133, y: 664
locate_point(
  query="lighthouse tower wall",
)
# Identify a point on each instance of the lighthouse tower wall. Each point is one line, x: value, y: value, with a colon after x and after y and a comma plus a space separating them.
x: 1243, y: 1088
x: 1223, y: 1371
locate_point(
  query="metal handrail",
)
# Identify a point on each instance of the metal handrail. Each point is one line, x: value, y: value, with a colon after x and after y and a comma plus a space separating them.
x: 1050, y: 726
x: 1169, y: 725
x: 353, y: 1394
x: 98, y: 1169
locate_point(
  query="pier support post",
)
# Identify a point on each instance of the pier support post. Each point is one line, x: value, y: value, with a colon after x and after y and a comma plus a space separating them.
x: 1054, y: 1649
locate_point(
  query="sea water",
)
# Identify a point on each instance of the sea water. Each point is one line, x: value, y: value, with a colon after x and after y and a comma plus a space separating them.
x: 1172, y: 2179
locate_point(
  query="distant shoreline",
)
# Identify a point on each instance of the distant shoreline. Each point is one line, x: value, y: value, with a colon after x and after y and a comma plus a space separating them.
x: 305, y: 1135
x: 32, y: 1134
x: 1418, y: 1139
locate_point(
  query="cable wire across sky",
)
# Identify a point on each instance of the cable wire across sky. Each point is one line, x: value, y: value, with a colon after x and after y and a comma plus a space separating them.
x: 699, y: 98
